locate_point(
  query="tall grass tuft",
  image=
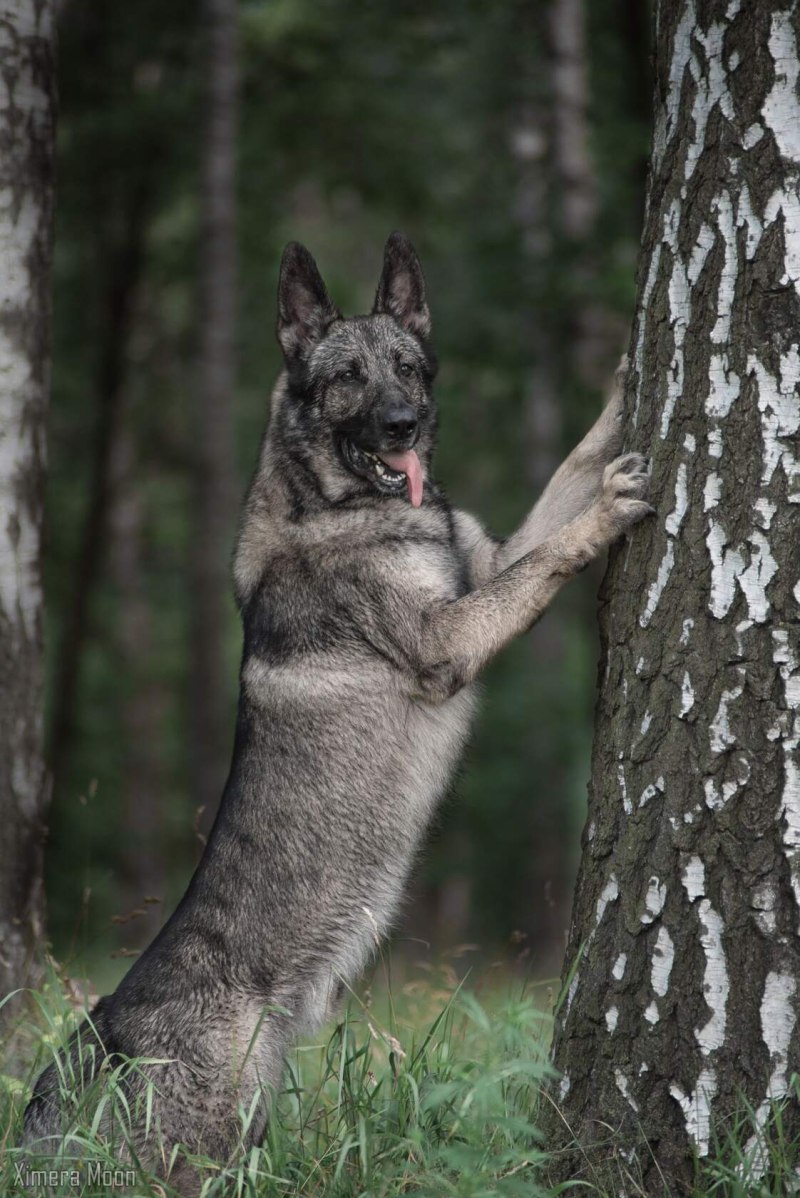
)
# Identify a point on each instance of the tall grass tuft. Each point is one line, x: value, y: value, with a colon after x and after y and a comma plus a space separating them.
x: 431, y: 1091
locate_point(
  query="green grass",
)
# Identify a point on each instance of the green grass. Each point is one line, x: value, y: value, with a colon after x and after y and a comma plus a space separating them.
x: 434, y: 1089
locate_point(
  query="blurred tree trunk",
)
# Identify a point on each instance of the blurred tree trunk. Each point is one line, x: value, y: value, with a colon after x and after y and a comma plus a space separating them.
x: 636, y: 24
x: 556, y: 208
x: 211, y: 708
x: 27, y: 117
x: 685, y: 927
x: 574, y: 169
x: 144, y: 707
x: 122, y: 243
x: 592, y: 346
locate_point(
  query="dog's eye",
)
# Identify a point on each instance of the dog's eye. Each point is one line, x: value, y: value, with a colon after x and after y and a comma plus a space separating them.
x: 347, y: 376
x: 405, y: 370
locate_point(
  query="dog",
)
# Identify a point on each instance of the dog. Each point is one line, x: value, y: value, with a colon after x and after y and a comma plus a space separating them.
x: 369, y: 608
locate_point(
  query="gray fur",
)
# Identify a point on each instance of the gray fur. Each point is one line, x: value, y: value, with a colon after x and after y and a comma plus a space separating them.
x: 366, y: 622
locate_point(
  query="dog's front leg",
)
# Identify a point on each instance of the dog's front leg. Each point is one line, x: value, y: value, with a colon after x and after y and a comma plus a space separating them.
x: 460, y: 637
x: 577, y: 481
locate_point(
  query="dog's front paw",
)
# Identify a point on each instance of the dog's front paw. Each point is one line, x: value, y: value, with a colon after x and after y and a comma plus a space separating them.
x: 623, y: 496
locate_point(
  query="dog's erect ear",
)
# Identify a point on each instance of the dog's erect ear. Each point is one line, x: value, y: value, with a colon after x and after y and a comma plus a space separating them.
x: 305, y: 310
x: 401, y: 291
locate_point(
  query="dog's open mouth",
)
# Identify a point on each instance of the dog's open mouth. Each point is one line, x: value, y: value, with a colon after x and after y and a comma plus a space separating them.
x: 390, y: 471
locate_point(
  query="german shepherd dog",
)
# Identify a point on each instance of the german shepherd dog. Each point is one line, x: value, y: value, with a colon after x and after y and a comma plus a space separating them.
x: 369, y: 607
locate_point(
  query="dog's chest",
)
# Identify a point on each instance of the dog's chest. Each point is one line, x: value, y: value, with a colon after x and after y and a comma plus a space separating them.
x: 436, y: 735
x: 413, y: 578
x: 431, y: 570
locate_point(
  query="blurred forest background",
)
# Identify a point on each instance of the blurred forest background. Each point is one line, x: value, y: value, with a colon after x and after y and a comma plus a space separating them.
x: 509, y: 141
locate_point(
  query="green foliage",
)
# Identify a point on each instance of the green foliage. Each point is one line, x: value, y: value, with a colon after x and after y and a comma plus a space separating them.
x: 431, y: 1090
x: 445, y: 1107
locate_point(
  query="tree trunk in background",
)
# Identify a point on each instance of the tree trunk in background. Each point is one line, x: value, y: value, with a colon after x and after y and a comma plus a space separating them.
x: 144, y: 706
x: 591, y: 339
x: 687, y: 904
x: 543, y: 894
x: 124, y: 261
x: 27, y: 113
x: 556, y: 205
x: 211, y: 693
x: 636, y: 25
x: 574, y: 169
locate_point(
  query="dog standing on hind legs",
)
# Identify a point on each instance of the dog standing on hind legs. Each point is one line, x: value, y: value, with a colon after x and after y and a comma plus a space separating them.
x: 369, y: 608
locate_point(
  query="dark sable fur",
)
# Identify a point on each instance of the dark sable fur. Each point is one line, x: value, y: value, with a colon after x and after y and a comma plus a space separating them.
x: 365, y: 623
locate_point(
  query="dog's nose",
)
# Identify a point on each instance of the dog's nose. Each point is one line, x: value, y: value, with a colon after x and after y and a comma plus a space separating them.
x: 399, y: 421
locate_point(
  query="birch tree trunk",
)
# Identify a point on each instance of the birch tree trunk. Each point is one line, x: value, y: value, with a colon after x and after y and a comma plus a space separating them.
x: 27, y: 111
x: 684, y: 940
x: 211, y: 707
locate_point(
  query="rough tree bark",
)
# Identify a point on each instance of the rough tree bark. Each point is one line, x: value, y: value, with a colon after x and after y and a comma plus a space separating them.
x: 27, y: 112
x: 211, y: 711
x: 685, y: 927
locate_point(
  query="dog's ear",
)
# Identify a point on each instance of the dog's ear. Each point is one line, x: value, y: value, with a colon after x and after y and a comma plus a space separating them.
x: 305, y: 310
x: 401, y: 291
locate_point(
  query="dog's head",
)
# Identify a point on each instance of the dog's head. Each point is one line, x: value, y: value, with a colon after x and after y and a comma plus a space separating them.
x: 358, y: 404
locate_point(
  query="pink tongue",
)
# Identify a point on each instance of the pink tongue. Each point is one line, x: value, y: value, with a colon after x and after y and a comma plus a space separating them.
x: 407, y: 463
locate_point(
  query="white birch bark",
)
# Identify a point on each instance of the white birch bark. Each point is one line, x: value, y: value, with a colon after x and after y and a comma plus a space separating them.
x: 695, y: 797
x: 26, y: 200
